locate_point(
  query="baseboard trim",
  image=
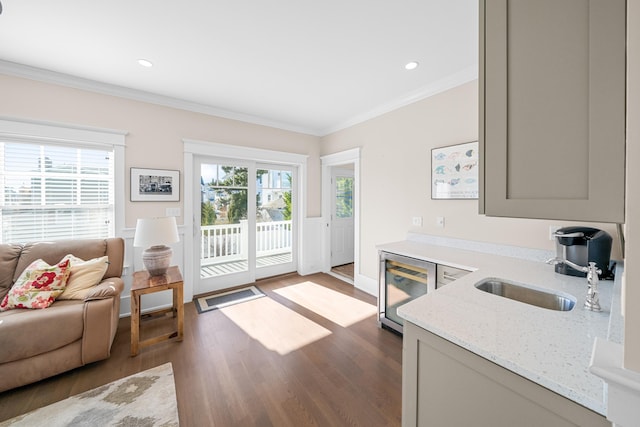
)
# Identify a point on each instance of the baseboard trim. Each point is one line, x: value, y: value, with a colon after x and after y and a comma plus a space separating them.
x: 366, y: 284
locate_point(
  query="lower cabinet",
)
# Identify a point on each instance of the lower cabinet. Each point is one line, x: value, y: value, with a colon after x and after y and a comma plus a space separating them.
x: 446, y: 385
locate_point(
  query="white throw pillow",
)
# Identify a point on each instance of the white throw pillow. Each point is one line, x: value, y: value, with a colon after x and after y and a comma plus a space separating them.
x: 84, y: 275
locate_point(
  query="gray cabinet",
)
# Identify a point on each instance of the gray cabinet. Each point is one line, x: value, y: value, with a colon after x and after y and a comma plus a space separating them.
x: 552, y: 109
x: 446, y: 385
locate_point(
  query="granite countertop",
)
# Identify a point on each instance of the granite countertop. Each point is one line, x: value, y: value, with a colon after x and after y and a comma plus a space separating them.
x: 551, y: 348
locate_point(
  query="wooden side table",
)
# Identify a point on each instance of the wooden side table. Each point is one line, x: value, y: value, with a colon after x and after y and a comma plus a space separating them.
x: 144, y: 284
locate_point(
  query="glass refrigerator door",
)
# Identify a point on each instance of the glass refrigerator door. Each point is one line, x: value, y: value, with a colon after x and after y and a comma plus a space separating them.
x: 404, y: 283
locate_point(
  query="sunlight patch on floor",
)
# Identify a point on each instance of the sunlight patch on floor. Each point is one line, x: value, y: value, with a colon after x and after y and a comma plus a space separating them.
x: 275, y: 326
x: 333, y: 305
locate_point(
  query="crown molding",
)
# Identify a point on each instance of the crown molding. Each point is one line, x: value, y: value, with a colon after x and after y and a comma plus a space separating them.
x: 47, y: 76
x: 466, y: 75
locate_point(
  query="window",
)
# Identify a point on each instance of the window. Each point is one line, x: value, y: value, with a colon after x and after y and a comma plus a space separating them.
x: 53, y: 188
x: 344, y: 197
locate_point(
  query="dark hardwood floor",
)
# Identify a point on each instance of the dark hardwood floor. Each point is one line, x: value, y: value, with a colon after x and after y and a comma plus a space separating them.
x: 323, y: 374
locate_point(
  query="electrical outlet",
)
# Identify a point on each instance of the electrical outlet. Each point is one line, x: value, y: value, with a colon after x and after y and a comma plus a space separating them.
x: 440, y: 221
x: 552, y: 230
x: 172, y: 212
x: 416, y: 221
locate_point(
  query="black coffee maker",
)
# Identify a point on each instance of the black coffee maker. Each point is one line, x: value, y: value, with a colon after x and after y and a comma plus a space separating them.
x: 582, y: 245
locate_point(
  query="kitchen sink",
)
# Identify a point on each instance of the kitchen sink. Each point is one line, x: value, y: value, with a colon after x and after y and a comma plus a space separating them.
x: 527, y: 295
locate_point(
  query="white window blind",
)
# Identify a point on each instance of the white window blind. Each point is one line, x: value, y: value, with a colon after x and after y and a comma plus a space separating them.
x: 53, y: 192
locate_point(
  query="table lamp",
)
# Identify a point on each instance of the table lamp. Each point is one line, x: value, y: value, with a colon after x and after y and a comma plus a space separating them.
x: 155, y: 234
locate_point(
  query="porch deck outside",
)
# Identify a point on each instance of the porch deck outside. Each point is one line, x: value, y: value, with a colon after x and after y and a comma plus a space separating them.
x: 223, y: 248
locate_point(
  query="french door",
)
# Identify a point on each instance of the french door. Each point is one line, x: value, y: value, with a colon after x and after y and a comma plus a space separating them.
x: 247, y: 222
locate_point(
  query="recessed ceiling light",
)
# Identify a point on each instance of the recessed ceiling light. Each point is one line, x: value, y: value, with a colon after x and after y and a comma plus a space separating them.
x: 145, y: 63
x: 412, y: 65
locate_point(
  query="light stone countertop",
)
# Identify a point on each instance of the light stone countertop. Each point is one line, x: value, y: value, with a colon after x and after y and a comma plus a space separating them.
x: 551, y: 348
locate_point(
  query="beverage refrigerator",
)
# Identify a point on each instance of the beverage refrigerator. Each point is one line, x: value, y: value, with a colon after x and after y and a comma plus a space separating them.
x: 401, y: 280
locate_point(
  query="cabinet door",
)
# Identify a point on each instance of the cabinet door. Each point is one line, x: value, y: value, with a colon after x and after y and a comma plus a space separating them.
x: 446, y: 385
x: 552, y: 109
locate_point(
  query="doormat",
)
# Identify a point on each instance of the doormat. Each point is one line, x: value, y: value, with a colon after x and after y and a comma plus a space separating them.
x: 216, y: 301
x: 144, y: 399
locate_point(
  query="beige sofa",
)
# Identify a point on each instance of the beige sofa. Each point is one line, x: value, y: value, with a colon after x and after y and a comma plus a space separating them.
x: 39, y: 343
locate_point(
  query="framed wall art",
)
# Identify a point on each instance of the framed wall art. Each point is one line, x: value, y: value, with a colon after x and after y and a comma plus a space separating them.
x: 155, y: 185
x: 454, y: 171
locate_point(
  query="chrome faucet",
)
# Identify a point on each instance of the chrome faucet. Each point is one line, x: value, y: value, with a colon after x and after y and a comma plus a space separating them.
x: 592, y: 302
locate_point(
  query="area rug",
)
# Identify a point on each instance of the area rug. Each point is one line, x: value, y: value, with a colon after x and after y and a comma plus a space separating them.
x: 216, y: 301
x: 145, y: 399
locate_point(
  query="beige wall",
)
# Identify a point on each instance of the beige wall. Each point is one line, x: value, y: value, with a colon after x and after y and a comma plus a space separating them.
x: 395, y: 178
x: 155, y: 132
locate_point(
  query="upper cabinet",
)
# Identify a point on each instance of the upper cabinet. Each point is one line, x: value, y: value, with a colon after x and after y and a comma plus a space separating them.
x: 552, y: 109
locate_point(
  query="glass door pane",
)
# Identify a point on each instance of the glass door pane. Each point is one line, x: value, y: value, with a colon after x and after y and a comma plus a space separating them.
x: 274, y: 221
x: 405, y: 279
x: 224, y: 231
x: 344, y: 197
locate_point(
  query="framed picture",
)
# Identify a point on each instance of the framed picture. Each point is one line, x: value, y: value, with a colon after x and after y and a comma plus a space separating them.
x: 155, y: 185
x: 454, y: 171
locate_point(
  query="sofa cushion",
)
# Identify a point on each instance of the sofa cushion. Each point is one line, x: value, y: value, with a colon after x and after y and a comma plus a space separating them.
x: 26, y: 333
x: 84, y: 275
x: 9, y: 255
x: 38, y: 286
x: 53, y: 252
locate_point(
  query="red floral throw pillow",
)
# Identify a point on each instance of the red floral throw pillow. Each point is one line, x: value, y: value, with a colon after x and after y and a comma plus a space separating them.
x: 38, y: 286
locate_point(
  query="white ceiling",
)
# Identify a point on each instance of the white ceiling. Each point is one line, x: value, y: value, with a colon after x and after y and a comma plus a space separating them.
x: 303, y: 65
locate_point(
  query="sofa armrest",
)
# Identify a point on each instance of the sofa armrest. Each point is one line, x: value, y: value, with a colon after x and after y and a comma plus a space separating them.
x: 108, y: 288
x: 101, y: 314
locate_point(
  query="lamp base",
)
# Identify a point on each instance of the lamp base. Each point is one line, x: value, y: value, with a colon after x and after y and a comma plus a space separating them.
x: 157, y: 259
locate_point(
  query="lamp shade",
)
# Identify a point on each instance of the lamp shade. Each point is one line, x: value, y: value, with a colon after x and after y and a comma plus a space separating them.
x: 156, y: 232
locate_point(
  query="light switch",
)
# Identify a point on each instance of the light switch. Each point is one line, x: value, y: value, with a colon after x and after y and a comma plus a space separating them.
x: 440, y: 221
x: 417, y: 221
x: 172, y: 212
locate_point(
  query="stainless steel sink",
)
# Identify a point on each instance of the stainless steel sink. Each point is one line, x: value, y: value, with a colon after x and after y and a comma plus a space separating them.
x: 549, y: 300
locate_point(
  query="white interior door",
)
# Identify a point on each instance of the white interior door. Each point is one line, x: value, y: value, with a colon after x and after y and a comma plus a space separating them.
x: 342, y: 224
